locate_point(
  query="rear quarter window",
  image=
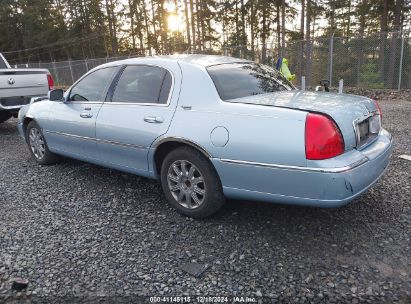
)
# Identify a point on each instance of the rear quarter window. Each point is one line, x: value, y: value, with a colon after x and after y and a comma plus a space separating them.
x: 236, y: 80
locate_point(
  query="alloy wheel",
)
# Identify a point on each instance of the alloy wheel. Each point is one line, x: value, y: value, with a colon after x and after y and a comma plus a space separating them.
x: 37, y: 143
x: 186, y: 184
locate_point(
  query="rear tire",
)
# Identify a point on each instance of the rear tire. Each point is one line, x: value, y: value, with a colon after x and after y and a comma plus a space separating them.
x: 4, y: 116
x: 38, y: 145
x: 190, y: 183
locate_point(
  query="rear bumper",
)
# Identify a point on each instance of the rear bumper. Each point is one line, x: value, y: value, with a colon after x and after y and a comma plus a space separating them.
x: 325, y: 185
x: 13, y: 104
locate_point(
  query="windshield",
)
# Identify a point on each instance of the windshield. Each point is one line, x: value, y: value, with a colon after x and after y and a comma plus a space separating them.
x: 236, y: 80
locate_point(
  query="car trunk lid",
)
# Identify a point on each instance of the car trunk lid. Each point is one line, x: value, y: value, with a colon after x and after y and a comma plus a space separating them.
x: 354, y: 115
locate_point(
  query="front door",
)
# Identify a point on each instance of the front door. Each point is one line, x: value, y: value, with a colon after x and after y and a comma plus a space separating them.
x: 140, y: 110
x: 71, y: 128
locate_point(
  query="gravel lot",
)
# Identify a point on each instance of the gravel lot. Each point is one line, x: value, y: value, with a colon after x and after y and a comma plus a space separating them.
x: 82, y: 232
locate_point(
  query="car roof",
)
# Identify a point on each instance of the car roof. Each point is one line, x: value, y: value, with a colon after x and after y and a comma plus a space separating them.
x: 207, y: 60
x: 201, y: 60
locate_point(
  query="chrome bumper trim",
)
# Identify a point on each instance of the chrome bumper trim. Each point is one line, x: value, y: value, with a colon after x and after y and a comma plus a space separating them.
x: 298, y: 168
x: 11, y: 108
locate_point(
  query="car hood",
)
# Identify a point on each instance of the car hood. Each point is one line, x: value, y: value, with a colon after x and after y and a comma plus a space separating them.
x: 343, y: 108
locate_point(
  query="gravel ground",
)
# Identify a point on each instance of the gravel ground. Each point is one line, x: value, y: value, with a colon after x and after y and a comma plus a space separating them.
x: 82, y: 232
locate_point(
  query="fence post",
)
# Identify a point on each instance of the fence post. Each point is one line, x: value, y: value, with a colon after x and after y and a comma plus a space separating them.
x: 56, y: 72
x: 71, y: 72
x: 85, y: 61
x: 302, y: 83
x: 340, y: 86
x: 401, y: 60
x: 330, y: 59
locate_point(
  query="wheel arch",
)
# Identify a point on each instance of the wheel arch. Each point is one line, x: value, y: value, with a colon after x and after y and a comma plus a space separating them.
x: 166, y: 145
x: 26, y: 122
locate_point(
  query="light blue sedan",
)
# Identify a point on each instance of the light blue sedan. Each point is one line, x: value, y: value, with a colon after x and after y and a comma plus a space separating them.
x: 210, y: 127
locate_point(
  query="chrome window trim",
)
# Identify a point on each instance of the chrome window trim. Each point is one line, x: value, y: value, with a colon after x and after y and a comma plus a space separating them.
x: 104, y: 141
x: 81, y: 102
x: 137, y: 104
x: 170, y: 94
x: 12, y: 107
x: 299, y: 168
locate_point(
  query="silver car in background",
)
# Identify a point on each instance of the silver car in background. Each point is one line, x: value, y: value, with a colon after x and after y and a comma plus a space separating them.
x: 210, y: 127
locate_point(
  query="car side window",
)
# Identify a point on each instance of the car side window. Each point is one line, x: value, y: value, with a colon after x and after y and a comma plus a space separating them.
x: 93, y: 86
x: 143, y: 84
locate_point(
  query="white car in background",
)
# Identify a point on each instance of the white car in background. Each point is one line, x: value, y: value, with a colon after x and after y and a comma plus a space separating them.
x: 19, y: 86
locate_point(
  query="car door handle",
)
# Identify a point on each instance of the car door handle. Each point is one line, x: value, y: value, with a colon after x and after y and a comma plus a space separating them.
x: 86, y: 115
x: 153, y: 119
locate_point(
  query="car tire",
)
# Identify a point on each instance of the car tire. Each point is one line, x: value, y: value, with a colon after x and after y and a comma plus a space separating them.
x: 38, y: 145
x: 4, y: 116
x: 190, y: 183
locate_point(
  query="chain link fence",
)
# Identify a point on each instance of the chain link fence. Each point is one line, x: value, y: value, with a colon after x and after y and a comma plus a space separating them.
x: 378, y: 61
x: 65, y: 73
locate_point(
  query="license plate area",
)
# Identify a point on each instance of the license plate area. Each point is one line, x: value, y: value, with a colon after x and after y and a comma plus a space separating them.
x: 363, y: 130
x: 367, y: 130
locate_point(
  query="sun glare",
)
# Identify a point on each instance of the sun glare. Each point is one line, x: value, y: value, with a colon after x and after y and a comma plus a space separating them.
x: 174, y: 23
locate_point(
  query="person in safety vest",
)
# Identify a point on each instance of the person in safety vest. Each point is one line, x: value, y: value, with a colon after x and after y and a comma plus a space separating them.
x: 282, y: 67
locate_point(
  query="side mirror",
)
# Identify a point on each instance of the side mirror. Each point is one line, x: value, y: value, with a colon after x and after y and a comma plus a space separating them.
x: 55, y: 95
x: 326, y: 84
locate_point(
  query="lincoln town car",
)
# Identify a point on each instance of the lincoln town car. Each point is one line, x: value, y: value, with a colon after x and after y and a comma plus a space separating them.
x: 210, y: 128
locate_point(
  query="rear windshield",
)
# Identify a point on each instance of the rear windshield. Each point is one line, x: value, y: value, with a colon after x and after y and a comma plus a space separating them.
x: 3, y: 65
x: 236, y: 80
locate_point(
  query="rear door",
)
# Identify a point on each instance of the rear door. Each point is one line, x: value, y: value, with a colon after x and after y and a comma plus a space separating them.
x: 71, y: 128
x: 140, y: 110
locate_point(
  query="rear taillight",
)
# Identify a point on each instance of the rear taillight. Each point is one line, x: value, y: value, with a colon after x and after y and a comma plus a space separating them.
x: 322, y: 137
x: 50, y: 82
x: 378, y: 108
